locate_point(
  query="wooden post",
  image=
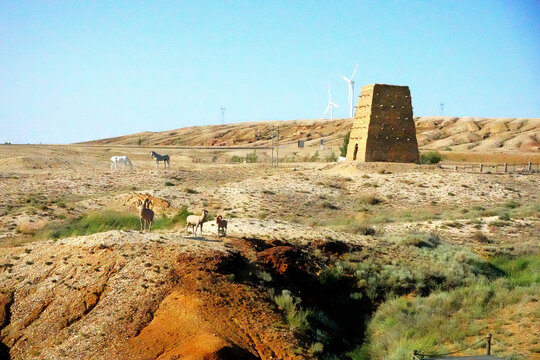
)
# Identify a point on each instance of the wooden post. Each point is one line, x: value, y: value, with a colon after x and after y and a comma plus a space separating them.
x: 530, y: 166
x: 455, y: 167
x: 505, y: 167
x: 481, y: 168
x: 488, y: 345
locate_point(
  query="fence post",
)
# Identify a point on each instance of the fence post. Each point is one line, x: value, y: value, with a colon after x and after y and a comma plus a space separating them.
x: 488, y: 345
x: 505, y: 167
x: 455, y: 167
x: 481, y: 168
x: 530, y: 166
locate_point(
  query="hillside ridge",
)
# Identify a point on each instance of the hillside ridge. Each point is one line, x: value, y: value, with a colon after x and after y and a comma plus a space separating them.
x: 433, y: 132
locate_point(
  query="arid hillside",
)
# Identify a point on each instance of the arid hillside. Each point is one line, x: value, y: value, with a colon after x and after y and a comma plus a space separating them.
x: 458, y: 134
x: 78, y: 280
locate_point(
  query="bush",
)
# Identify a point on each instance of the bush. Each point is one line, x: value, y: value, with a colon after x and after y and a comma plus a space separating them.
x: 252, y: 157
x: 237, y: 159
x: 402, y: 325
x: 480, y: 237
x: 295, y: 315
x: 168, y: 183
x: 343, y: 148
x: 422, y: 240
x: 363, y: 230
x: 432, y: 157
x: 331, y: 158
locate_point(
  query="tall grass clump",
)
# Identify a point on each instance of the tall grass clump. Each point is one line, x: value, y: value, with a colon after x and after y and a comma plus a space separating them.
x: 96, y: 222
x: 296, y: 317
x: 431, y: 157
x: 345, y: 145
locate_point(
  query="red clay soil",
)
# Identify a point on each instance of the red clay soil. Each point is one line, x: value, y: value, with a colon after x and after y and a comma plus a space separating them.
x: 209, y: 316
x: 280, y: 258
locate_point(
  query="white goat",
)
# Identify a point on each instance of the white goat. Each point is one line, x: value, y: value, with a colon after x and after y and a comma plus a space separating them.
x: 195, y: 221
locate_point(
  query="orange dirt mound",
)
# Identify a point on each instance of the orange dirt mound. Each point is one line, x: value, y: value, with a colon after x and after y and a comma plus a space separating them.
x: 158, y: 204
x: 208, y: 316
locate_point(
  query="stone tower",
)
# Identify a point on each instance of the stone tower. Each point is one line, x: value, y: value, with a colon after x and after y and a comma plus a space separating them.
x: 383, y: 126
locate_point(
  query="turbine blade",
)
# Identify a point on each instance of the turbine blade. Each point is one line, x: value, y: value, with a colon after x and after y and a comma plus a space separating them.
x: 354, y: 72
x: 333, y: 104
x: 325, y: 111
x: 344, y: 78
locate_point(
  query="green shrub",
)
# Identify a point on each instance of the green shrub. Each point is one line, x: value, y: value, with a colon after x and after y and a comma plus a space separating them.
x: 252, y: 157
x: 168, y: 183
x: 445, y: 320
x: 431, y: 157
x: 296, y: 317
x: 480, y: 237
x: 343, y: 148
x: 421, y: 240
x: 237, y: 159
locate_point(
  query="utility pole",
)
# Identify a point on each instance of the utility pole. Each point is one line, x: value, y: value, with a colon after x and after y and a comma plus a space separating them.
x: 272, y: 146
x: 223, y: 115
x: 277, y: 149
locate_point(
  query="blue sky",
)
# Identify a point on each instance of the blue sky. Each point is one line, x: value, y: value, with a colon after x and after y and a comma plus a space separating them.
x: 81, y: 70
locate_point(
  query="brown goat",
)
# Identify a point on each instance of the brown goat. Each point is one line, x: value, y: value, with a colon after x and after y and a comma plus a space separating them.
x: 221, y: 226
x: 147, y: 215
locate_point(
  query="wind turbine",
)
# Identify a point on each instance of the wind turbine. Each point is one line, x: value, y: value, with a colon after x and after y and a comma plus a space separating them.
x: 350, y: 81
x: 330, y: 106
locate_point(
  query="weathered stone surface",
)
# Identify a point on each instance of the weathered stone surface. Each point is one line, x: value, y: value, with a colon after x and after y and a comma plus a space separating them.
x: 383, y: 126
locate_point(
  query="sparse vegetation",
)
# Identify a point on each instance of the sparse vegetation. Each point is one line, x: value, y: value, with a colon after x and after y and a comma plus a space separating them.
x: 447, y: 320
x: 343, y: 148
x: 104, y: 221
x: 296, y: 317
x: 252, y: 157
x: 431, y: 157
x: 237, y: 159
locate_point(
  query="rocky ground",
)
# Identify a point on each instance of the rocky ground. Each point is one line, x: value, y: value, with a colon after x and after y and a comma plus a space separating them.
x: 164, y: 295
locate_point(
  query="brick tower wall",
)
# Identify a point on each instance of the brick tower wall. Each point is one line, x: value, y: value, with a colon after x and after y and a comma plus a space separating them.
x: 383, y: 126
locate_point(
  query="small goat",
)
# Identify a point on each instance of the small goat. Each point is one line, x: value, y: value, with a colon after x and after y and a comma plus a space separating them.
x: 195, y: 221
x: 221, y: 226
x: 147, y: 215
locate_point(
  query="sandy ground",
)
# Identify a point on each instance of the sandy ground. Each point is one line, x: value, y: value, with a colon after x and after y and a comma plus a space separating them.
x: 298, y: 202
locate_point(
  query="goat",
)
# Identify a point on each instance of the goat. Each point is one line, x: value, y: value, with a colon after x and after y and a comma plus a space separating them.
x: 147, y: 215
x: 221, y: 226
x: 195, y: 221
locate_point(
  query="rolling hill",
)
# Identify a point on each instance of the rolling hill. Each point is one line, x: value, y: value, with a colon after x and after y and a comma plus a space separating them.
x: 466, y: 134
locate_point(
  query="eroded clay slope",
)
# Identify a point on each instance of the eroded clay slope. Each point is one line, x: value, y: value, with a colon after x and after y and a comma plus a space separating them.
x: 460, y: 134
x: 128, y: 295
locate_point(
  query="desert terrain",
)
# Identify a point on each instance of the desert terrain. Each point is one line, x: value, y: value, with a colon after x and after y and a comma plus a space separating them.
x: 461, y: 139
x: 321, y: 259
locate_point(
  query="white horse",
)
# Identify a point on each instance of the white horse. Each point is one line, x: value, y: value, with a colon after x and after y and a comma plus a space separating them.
x: 123, y: 160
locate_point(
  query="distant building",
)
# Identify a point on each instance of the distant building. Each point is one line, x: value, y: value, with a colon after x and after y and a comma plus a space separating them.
x: 383, y: 126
